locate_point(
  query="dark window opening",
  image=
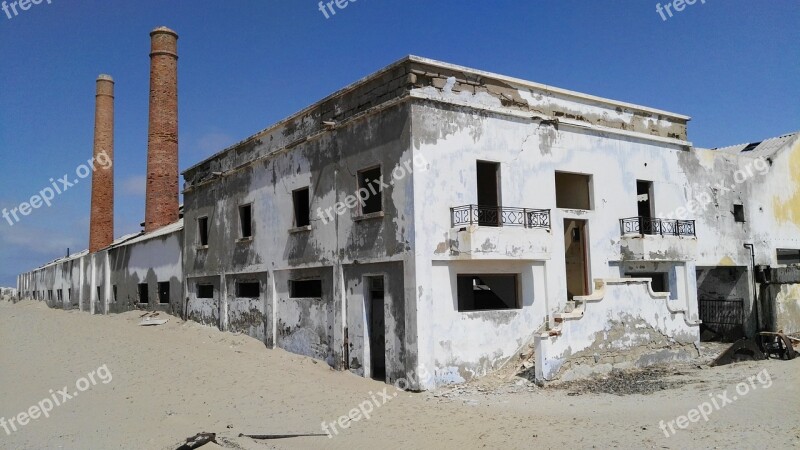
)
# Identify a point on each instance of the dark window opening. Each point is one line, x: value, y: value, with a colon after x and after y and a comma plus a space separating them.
x: 487, y: 292
x: 100, y: 297
x: 302, y: 207
x: 50, y: 295
x: 248, y: 289
x: 644, y: 201
x: 788, y: 256
x: 371, y: 180
x: 143, y: 295
x: 246, y: 221
x: 751, y: 147
x: 69, y: 294
x: 205, y: 291
x: 488, y: 184
x: 202, y: 230
x: 60, y: 295
x: 658, y: 280
x: 306, y: 288
x: 163, y: 292
x: 573, y: 191
x: 114, y: 293
x: 738, y: 213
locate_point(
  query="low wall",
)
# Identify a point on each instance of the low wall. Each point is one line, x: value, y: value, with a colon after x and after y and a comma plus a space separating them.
x: 779, y: 297
x: 623, y: 324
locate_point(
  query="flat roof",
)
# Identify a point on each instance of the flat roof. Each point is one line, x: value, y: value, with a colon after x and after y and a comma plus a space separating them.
x: 453, y: 67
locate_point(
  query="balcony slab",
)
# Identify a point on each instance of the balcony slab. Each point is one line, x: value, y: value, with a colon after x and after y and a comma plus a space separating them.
x: 481, y: 242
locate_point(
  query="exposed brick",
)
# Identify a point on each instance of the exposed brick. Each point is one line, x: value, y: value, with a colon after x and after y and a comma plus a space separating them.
x: 101, y: 224
x: 162, y: 139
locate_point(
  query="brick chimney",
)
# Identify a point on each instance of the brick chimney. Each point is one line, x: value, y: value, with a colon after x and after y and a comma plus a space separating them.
x: 101, y: 228
x: 161, y: 207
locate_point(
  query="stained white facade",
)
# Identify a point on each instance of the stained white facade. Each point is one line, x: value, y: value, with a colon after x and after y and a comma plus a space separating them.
x: 518, y: 216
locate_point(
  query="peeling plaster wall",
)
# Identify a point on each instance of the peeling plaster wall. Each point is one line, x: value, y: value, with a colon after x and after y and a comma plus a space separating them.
x: 261, y: 173
x: 787, y: 305
x: 159, y: 259
x: 358, y: 343
x: 251, y: 316
x: 451, y: 138
x: 713, y: 190
x: 204, y: 310
x: 624, y: 325
x: 471, y: 344
x: 307, y: 326
x: 774, y: 207
x: 124, y: 266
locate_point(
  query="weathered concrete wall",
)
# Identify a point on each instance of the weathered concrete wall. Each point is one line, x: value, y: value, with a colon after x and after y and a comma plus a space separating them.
x: 779, y: 297
x: 308, y: 326
x: 150, y: 258
x: 471, y: 344
x: 458, y: 129
x: 623, y: 324
x: 204, y: 310
x: 263, y: 174
x: 787, y: 303
x: 358, y: 347
x: 88, y: 282
x: 460, y: 85
x: 775, y: 204
x: 251, y: 316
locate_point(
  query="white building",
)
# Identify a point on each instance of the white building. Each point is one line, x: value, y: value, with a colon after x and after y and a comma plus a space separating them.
x: 511, y: 214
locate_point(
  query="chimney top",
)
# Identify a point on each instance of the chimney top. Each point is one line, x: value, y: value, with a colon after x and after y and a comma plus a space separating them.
x: 105, y: 77
x: 166, y: 30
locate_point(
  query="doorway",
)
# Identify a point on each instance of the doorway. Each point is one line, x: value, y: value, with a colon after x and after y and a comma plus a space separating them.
x: 488, y: 181
x: 376, y: 326
x: 645, y: 207
x: 576, y: 258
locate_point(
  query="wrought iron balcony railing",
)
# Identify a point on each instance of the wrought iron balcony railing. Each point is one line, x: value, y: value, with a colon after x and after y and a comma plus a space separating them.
x: 500, y: 216
x: 654, y: 226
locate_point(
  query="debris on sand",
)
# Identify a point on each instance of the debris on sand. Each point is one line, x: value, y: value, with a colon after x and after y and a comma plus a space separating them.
x: 625, y: 382
x: 198, y: 440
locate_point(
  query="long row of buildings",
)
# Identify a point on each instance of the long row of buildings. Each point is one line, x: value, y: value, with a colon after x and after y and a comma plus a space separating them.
x: 432, y: 218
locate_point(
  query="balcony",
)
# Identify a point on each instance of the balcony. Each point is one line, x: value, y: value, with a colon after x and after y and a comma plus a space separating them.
x: 498, y: 232
x: 653, y: 226
x: 653, y: 239
x: 499, y: 216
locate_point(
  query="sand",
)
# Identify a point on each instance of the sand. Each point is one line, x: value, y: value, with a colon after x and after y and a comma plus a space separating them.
x: 168, y: 382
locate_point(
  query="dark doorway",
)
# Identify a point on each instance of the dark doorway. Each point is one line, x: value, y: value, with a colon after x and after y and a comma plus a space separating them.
x: 723, y: 294
x: 376, y: 327
x: 644, y: 198
x: 576, y: 258
x: 488, y: 193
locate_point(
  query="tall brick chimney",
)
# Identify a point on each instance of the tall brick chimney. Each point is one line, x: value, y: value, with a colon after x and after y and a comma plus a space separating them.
x: 101, y: 228
x: 162, y: 139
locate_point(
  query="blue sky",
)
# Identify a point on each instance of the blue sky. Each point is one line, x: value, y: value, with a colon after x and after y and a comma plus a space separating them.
x: 733, y: 65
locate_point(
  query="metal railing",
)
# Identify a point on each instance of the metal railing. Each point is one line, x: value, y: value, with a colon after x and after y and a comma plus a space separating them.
x: 655, y: 226
x: 500, y: 216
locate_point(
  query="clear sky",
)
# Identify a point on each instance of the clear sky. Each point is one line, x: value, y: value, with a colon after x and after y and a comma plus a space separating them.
x: 733, y: 65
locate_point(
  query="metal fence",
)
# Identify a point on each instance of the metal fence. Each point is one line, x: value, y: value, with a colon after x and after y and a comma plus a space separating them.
x: 500, y: 216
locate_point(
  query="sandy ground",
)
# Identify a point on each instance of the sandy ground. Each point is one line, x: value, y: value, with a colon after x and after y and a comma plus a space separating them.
x: 170, y: 382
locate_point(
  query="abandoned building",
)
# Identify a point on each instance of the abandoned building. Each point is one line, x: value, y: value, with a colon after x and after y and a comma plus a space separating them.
x: 436, y: 218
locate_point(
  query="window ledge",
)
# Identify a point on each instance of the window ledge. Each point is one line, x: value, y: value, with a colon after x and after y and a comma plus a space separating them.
x: 300, y: 229
x: 375, y: 215
x: 245, y: 240
x: 201, y: 247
